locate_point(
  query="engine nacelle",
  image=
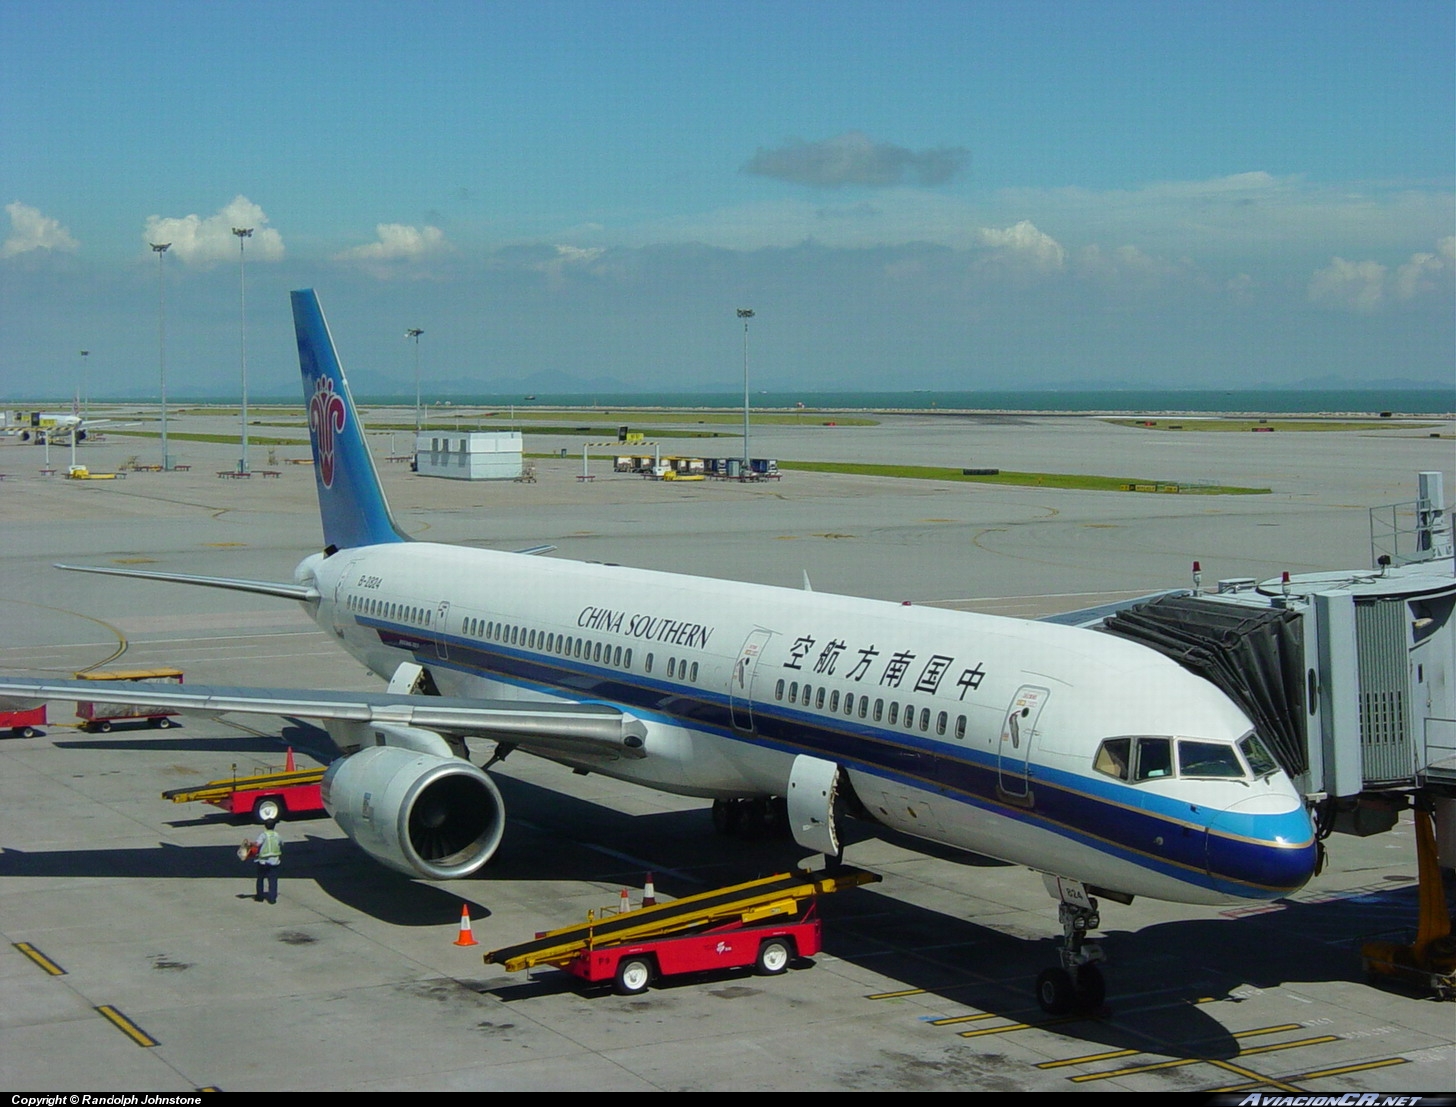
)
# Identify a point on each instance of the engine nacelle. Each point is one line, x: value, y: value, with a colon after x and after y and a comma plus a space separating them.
x: 436, y: 817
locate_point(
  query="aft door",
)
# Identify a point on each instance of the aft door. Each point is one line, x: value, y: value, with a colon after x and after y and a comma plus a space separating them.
x: 1013, y: 755
x: 740, y: 682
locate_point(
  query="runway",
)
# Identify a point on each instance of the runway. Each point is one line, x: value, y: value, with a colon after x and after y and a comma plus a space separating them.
x: 353, y: 982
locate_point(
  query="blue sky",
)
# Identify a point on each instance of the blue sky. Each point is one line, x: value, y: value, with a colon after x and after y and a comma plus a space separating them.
x: 909, y: 194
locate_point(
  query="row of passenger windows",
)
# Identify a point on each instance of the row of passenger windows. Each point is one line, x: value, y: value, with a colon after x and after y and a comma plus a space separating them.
x: 568, y: 645
x: 388, y: 609
x: 864, y: 707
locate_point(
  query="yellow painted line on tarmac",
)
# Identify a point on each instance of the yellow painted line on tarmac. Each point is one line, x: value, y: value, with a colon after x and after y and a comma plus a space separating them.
x: 1092, y: 1058
x: 1181, y: 1061
x: 39, y: 958
x: 126, y: 1026
x: 1365, y: 1066
x: 897, y: 995
x: 1249, y: 1074
x: 952, y: 1020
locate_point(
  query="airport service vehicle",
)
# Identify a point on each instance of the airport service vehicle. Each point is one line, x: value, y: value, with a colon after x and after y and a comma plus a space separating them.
x: 765, y: 924
x: 23, y: 723
x: 99, y: 714
x: 1093, y: 760
x: 261, y: 796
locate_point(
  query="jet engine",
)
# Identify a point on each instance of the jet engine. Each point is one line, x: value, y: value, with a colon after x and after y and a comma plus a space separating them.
x: 424, y: 815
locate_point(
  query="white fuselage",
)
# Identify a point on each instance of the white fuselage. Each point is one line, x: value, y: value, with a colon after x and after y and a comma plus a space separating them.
x: 970, y: 730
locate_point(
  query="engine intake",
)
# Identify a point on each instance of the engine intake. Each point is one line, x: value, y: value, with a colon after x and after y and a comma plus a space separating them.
x: 436, y: 817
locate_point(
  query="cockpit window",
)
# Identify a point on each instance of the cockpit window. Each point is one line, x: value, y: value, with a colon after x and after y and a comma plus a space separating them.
x: 1208, y: 759
x: 1154, y: 758
x: 1112, y: 757
x: 1257, y: 756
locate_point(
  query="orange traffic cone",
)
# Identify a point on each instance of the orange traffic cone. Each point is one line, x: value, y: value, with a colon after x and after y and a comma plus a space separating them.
x: 649, y: 894
x: 625, y: 905
x: 466, y: 937
x: 289, y: 767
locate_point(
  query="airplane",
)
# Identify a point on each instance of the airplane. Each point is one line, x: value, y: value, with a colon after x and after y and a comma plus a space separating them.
x: 1092, y: 760
x: 41, y: 427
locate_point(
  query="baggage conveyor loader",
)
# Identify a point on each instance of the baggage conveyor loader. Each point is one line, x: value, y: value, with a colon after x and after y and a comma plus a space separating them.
x: 764, y: 923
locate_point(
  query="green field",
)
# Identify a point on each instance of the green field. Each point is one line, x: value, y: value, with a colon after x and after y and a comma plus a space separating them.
x: 1266, y: 425
x: 1026, y: 480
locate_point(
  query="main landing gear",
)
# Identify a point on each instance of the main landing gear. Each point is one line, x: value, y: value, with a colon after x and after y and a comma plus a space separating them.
x: 1077, y: 984
x: 751, y: 818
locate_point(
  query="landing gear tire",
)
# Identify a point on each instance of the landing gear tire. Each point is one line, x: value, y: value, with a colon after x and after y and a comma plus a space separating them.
x: 726, y: 814
x: 773, y: 957
x: 1091, y: 988
x: 633, y: 976
x: 1055, y: 991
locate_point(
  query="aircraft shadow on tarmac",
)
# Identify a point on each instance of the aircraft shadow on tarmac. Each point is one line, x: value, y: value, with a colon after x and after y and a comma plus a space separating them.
x: 1155, y: 974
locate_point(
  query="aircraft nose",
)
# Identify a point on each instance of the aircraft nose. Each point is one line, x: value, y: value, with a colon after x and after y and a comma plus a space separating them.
x: 1265, y: 845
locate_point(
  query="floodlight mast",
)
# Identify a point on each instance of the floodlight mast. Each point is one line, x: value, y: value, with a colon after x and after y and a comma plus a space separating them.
x: 243, y: 233
x: 160, y: 248
x: 745, y: 314
x: 415, y: 332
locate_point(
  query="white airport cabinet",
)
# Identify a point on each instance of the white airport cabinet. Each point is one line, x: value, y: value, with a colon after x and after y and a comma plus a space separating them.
x: 475, y: 455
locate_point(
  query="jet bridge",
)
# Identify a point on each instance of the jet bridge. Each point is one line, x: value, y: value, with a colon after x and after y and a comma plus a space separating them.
x: 1350, y: 676
x: 1351, y: 679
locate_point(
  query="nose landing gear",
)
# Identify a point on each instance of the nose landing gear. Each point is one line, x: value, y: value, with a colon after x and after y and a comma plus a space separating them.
x: 1077, y: 984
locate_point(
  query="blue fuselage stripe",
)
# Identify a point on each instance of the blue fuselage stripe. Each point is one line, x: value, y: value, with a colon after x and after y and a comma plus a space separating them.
x: 1264, y: 855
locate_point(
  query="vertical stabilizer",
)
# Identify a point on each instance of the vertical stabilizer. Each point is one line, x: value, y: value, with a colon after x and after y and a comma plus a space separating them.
x: 351, y: 500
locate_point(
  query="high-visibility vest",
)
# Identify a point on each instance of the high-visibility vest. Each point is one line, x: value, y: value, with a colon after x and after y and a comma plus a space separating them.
x: 272, y: 847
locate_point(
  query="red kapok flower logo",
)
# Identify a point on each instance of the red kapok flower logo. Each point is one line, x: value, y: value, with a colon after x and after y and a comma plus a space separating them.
x: 325, y: 420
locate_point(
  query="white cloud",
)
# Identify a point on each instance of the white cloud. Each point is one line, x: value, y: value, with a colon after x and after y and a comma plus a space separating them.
x: 568, y: 259
x: 399, y: 242
x: 30, y: 230
x: 1024, y: 245
x: 1367, y: 286
x: 205, y: 241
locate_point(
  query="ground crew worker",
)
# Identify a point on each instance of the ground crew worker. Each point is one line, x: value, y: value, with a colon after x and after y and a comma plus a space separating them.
x: 269, y: 856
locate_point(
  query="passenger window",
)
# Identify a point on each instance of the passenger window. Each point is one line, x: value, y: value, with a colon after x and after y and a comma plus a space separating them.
x: 879, y: 709
x: 693, y: 676
x: 647, y: 664
x: 960, y: 730
x: 834, y: 701
x: 819, y: 699
x: 1112, y: 757
x: 627, y: 658
x: 1208, y: 759
x: 924, y: 719
x: 793, y: 691
x: 940, y: 722
x: 1154, y: 758
x: 617, y: 657
x: 672, y: 666
x: 597, y: 652
x: 779, y: 691
x: 849, y: 703
x: 894, y: 712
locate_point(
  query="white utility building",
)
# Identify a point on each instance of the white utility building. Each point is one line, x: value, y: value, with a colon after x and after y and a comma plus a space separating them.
x: 476, y: 455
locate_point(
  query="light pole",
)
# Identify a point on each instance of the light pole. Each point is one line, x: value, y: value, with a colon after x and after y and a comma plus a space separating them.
x: 160, y: 248
x: 415, y: 332
x: 85, y: 387
x: 745, y: 314
x: 243, y: 234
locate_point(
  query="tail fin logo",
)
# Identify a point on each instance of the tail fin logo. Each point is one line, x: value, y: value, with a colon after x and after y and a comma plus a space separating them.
x: 326, y: 418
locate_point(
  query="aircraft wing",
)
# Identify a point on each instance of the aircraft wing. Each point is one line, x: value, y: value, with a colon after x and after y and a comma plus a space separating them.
x: 593, y: 730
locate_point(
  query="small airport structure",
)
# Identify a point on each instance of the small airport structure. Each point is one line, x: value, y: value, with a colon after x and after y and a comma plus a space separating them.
x: 474, y: 455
